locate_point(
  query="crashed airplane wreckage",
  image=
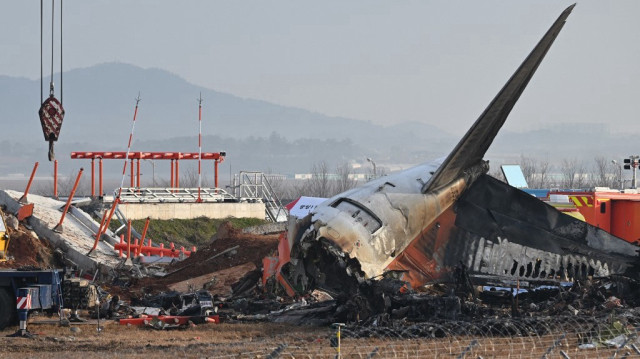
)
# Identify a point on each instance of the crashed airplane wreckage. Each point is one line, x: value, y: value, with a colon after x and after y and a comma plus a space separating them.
x: 444, y: 220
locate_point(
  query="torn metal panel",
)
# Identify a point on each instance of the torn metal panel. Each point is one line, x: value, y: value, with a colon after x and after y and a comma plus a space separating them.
x: 423, y: 260
x: 502, y: 231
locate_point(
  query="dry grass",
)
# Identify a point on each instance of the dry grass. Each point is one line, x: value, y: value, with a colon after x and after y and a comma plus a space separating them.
x: 258, y: 340
x: 209, y: 340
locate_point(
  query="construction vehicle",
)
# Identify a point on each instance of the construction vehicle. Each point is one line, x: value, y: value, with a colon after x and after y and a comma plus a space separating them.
x: 22, y: 292
x: 4, y: 239
x: 25, y: 291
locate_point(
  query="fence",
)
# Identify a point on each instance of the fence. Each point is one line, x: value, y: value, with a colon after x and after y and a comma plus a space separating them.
x: 615, y: 336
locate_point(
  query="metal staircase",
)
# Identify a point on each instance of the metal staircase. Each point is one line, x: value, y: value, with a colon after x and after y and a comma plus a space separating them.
x: 252, y: 186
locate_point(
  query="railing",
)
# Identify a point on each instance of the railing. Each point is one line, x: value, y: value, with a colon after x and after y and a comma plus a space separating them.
x: 255, y: 185
x: 173, y: 195
x: 248, y: 187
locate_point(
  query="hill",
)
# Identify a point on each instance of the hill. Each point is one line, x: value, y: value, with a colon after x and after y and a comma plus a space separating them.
x: 99, y: 104
x: 256, y: 135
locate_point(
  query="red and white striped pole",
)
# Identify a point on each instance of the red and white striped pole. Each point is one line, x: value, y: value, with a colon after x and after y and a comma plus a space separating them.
x: 133, y: 126
x: 103, y: 228
x: 199, y: 147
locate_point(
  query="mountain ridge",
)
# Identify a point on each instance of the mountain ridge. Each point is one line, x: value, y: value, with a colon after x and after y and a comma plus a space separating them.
x: 257, y: 135
x: 99, y: 104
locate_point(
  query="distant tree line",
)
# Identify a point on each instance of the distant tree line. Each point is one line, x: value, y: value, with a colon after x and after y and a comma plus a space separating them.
x: 322, y: 182
x: 568, y: 173
x: 326, y: 182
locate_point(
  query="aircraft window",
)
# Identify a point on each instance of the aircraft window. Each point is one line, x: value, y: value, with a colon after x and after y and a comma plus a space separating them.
x: 603, y: 207
x: 361, y: 214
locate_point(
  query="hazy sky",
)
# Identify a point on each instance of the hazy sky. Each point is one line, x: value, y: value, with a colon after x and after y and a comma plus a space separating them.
x: 438, y: 62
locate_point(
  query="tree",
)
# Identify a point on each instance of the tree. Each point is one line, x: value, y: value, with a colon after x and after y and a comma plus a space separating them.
x: 189, y: 178
x: 344, y: 181
x: 616, y: 179
x: 601, y: 176
x: 543, y: 171
x: 573, y: 173
x: 65, y: 185
x: 319, y: 185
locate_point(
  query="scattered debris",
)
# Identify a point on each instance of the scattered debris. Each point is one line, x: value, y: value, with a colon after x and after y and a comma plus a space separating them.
x: 219, y: 282
x: 169, y: 322
x: 223, y: 282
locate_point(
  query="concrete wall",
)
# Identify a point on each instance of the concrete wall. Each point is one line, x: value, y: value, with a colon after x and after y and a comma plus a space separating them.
x: 267, y: 228
x: 192, y: 210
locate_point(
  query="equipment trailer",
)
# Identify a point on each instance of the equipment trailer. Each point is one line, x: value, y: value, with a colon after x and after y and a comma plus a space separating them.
x: 24, y: 291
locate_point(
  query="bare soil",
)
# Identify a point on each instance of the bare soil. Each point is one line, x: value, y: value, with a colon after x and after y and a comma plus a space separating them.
x: 28, y: 250
x: 258, y: 340
x: 251, y: 248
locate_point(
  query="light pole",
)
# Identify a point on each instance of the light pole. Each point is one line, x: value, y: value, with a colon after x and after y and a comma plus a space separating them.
x: 631, y: 163
x: 374, y: 166
x: 153, y: 170
x: 620, y: 173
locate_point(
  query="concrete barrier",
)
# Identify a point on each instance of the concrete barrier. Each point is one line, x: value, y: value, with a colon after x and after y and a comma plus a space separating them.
x: 76, y: 238
x: 192, y: 210
x: 267, y: 228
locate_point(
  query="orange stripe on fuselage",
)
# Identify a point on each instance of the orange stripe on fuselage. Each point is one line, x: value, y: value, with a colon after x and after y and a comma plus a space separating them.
x: 423, y: 257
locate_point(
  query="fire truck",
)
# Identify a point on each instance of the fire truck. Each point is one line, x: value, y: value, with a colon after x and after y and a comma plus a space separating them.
x: 617, y: 212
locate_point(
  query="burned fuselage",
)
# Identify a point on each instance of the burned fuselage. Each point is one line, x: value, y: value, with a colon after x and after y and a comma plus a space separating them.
x: 373, y: 224
x: 410, y: 224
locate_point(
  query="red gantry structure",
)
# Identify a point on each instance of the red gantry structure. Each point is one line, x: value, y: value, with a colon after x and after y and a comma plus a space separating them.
x: 135, y: 157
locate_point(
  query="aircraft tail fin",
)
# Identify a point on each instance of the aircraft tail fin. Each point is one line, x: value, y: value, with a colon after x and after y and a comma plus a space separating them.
x: 475, y: 143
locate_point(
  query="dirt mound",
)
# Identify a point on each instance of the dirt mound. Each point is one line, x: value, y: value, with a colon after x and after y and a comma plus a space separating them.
x: 230, y: 248
x: 28, y: 250
x: 222, y: 254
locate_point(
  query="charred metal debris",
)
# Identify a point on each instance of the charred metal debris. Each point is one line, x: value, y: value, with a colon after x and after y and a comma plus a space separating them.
x: 380, y: 306
x: 499, y: 235
x: 507, y: 255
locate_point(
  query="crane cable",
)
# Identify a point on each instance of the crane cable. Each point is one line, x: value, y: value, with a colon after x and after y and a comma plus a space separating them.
x: 51, y: 111
x: 53, y: 8
x: 41, y: 50
x: 60, y: 52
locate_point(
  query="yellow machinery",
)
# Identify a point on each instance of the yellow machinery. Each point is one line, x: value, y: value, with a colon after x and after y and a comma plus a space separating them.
x: 4, y: 239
